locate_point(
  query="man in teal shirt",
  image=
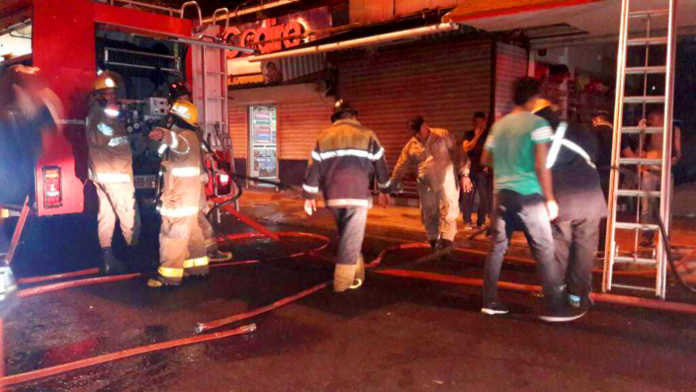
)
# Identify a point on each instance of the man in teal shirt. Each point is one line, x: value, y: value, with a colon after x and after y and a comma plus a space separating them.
x: 517, y: 148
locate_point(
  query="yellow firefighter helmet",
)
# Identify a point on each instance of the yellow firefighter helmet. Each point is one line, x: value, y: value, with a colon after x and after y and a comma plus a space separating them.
x: 186, y: 111
x: 105, y: 80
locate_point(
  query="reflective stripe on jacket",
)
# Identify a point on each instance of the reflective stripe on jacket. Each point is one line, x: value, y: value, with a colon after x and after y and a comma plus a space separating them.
x: 341, y: 164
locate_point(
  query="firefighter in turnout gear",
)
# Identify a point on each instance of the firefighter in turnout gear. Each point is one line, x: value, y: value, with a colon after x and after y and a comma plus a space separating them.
x: 441, y: 167
x: 110, y: 168
x: 344, y: 159
x: 179, y: 91
x: 182, y: 246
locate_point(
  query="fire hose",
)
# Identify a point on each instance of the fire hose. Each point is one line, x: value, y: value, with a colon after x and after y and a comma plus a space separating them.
x: 201, y: 327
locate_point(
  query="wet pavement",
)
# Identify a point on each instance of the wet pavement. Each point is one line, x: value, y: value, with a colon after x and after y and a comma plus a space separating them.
x: 392, y: 334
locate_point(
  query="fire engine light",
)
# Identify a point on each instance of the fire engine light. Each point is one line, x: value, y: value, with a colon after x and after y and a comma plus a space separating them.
x: 223, y: 184
x: 109, y: 83
x: 224, y: 178
x: 52, y: 191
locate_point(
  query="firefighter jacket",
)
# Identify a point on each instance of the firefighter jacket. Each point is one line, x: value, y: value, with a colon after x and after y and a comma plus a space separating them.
x: 342, y: 163
x: 433, y: 159
x: 182, y: 174
x: 110, y: 156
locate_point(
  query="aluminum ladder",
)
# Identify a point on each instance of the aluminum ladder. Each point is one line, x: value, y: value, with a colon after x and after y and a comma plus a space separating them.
x: 646, y: 20
x: 210, y: 88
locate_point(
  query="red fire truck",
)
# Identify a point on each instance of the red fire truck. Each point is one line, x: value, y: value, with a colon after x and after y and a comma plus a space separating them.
x: 150, y: 47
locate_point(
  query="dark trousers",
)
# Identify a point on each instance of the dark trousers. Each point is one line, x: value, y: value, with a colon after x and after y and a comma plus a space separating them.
x: 527, y: 213
x: 482, y: 186
x: 575, y: 242
x: 350, y: 222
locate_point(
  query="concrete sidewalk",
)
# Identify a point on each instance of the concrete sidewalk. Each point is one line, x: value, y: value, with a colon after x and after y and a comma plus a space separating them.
x: 401, y: 222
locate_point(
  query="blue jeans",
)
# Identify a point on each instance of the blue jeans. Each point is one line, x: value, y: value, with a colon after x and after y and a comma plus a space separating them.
x: 528, y: 213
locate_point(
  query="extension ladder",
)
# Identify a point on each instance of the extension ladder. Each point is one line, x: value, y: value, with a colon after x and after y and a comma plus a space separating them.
x: 650, y: 22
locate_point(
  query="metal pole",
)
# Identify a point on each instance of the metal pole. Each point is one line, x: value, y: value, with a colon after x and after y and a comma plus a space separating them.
x: 615, y: 148
x: 667, y: 135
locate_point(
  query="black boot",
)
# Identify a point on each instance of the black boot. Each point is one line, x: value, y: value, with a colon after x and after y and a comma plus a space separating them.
x: 110, y: 264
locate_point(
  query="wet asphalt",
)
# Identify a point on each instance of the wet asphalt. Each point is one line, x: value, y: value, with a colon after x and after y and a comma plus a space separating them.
x: 393, y: 334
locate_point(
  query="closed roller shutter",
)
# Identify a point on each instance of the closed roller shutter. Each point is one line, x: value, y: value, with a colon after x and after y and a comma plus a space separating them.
x: 299, y: 125
x: 446, y: 82
x: 511, y: 64
x: 302, y: 113
x: 238, y: 131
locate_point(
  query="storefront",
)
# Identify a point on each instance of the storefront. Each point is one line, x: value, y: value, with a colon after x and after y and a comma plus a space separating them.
x: 445, y: 79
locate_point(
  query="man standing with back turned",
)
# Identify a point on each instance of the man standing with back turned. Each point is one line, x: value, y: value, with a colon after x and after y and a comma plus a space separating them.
x: 341, y: 165
x: 517, y: 148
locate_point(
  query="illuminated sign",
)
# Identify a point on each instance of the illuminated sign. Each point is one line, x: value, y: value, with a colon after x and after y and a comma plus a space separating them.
x: 272, y: 35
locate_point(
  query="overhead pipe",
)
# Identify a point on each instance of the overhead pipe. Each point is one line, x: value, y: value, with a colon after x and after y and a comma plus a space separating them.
x: 352, y: 43
x: 252, y: 10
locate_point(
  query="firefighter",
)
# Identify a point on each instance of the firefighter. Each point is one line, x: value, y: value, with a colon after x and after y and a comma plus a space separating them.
x: 439, y: 162
x: 182, y: 246
x: 110, y: 169
x: 178, y: 90
x: 341, y: 164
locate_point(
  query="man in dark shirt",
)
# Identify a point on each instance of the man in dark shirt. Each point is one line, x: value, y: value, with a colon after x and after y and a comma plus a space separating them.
x: 603, y: 131
x: 581, y: 204
x: 472, y: 145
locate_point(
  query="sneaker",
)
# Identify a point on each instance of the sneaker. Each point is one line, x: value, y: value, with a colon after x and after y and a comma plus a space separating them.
x: 580, y: 302
x: 562, y: 314
x: 495, y: 308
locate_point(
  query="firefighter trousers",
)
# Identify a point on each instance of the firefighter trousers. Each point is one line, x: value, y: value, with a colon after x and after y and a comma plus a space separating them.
x: 182, y: 248
x: 350, y: 222
x: 116, y: 200
x: 440, y: 208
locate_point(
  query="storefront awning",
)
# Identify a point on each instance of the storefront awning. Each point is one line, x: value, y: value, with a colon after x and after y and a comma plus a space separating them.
x: 591, y: 18
x: 485, y: 9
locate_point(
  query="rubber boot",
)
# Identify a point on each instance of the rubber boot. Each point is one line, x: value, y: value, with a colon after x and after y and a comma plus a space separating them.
x: 344, y: 275
x: 217, y: 256
x: 359, y: 278
x: 110, y: 264
x: 8, y: 291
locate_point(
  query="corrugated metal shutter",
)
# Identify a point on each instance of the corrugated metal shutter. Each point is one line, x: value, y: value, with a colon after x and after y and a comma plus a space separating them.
x: 295, y: 67
x: 299, y: 123
x: 238, y: 130
x: 446, y: 82
x: 511, y: 64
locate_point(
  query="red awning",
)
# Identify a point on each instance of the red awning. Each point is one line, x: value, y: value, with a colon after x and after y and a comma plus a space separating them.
x: 476, y: 9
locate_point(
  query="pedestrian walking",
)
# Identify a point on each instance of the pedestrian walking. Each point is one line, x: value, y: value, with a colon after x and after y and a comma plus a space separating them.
x: 517, y: 149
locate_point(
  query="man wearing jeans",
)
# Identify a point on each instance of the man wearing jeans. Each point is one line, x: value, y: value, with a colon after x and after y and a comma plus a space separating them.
x: 517, y: 148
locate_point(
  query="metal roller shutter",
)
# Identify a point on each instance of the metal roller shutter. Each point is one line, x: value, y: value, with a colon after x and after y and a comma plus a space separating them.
x: 299, y: 125
x: 300, y: 119
x: 511, y: 64
x: 446, y: 82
